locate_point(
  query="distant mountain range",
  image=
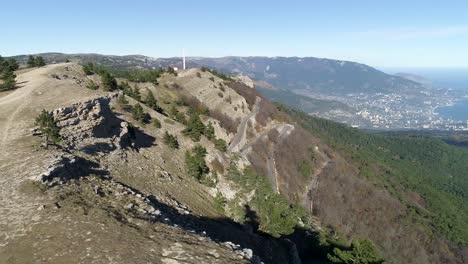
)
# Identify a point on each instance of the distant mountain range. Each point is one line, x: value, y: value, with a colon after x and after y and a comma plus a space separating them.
x: 414, y: 78
x: 290, y: 73
x: 333, y: 89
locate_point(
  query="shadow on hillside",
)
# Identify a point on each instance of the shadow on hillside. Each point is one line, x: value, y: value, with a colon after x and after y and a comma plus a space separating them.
x: 20, y: 85
x: 270, y: 249
x: 111, y: 127
x: 73, y: 169
x: 141, y: 139
x: 99, y: 147
x: 301, y: 245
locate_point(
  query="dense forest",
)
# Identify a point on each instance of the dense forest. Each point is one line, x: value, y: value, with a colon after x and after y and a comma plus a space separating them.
x: 402, y: 163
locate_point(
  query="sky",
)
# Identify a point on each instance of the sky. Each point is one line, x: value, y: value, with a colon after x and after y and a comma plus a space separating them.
x: 379, y: 33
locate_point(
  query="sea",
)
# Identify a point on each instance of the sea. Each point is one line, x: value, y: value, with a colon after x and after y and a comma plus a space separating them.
x: 453, y: 78
x: 457, y: 112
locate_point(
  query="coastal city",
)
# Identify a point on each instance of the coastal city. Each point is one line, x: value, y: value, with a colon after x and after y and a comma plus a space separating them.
x: 396, y: 111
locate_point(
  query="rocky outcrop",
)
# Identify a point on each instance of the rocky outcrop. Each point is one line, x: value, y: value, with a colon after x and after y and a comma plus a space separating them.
x: 245, y: 80
x: 91, y: 126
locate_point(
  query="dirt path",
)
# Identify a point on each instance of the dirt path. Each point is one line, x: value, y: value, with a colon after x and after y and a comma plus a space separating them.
x: 15, y: 102
x: 239, y: 139
x: 313, y: 185
x: 16, y: 210
x: 20, y: 159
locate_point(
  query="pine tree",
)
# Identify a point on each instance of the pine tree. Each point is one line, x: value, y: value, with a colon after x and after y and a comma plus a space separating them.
x: 138, y: 113
x: 109, y: 83
x: 47, y: 125
x: 9, y: 81
x: 122, y: 101
x: 39, y: 61
x: 195, y: 162
x: 156, y: 123
x: 220, y: 144
x: 209, y: 131
x: 88, y: 68
x: 170, y: 140
x: 195, y: 127
x: 152, y: 102
x: 31, y: 61
x: 360, y: 252
x: 136, y: 94
x: 11, y: 64
x: 126, y: 89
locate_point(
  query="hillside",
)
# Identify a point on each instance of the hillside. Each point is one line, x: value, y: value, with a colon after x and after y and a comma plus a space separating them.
x: 210, y: 171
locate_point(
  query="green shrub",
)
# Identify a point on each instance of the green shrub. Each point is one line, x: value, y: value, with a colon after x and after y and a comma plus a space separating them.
x: 169, y: 121
x: 219, y: 203
x: 220, y: 144
x: 156, y: 123
x: 123, y: 103
x: 89, y: 68
x: 305, y: 168
x: 92, y: 85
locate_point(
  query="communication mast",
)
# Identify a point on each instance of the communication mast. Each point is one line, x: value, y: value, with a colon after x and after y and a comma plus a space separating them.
x: 183, y: 59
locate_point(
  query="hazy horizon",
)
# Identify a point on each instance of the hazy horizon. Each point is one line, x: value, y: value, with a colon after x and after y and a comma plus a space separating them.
x: 397, y: 34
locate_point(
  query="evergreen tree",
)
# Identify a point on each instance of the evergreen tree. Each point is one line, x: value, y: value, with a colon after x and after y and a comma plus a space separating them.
x: 47, y: 125
x: 360, y: 252
x: 136, y: 94
x: 209, y: 131
x: 152, y: 102
x: 195, y: 162
x: 178, y: 116
x: 109, y: 83
x: 127, y: 90
x: 139, y: 114
x: 170, y: 140
x: 156, y: 123
x: 195, y: 127
x: 88, y: 68
x: 122, y: 101
x: 9, y: 81
x: 39, y: 61
x: 11, y: 65
x: 220, y: 144
x: 31, y: 61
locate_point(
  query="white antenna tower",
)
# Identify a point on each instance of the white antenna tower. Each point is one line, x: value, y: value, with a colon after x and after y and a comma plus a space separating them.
x: 183, y: 58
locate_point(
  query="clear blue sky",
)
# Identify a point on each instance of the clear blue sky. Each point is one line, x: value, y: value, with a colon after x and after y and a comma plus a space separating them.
x: 395, y: 33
